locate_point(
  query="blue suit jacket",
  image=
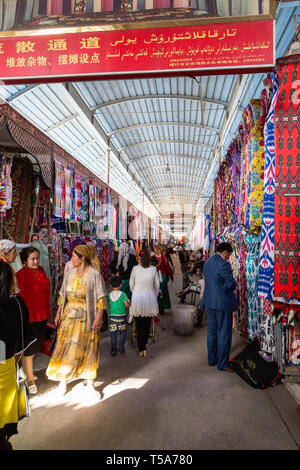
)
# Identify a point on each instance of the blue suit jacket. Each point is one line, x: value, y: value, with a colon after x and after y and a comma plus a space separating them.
x: 219, y: 285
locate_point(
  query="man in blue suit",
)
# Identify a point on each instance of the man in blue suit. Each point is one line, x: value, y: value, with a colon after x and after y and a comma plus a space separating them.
x: 220, y: 301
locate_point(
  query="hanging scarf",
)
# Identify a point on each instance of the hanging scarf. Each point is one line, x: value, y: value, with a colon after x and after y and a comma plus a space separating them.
x: 3, y: 185
x: 68, y: 182
x: 78, y: 197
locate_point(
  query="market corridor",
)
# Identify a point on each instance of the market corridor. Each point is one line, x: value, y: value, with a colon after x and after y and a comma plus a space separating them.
x: 170, y: 400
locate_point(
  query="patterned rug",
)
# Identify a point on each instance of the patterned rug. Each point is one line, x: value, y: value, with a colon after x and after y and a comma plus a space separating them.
x: 17, y: 218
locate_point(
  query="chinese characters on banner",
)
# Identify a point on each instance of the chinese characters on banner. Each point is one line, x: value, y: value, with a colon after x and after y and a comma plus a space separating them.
x: 166, y: 49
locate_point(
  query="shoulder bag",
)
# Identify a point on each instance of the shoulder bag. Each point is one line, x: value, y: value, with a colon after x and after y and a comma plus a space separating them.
x: 23, y: 400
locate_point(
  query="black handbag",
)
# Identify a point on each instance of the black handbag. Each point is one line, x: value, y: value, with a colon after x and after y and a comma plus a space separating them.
x: 104, y: 322
x: 253, y: 368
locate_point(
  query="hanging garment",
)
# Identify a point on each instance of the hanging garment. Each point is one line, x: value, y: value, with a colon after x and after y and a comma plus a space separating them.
x: 59, y: 194
x: 89, y: 6
x: 287, y: 181
x: 267, y: 335
x: 73, y: 202
x: 9, y: 14
x: 97, y: 5
x: 17, y: 219
x: 49, y: 7
x: 28, y: 11
x: 266, y: 263
x: 91, y: 203
x: 80, y: 6
x: 84, y: 205
x: 20, y: 12
x: 8, y: 183
x: 254, y: 307
x: 78, y: 196
x: 3, y: 185
x: 67, y: 7
x: 43, y: 7
x: 68, y: 203
x: 294, y: 344
x: 56, y: 7
x: 107, y: 5
x: 35, y: 8
x: 257, y: 158
x: 245, y: 163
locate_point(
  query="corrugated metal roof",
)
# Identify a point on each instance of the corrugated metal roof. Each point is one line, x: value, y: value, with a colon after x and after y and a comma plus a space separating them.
x: 164, y: 151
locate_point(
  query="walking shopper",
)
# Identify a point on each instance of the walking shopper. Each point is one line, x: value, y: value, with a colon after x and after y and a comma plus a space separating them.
x: 183, y: 254
x: 198, y: 264
x: 8, y: 253
x: 118, y: 301
x: 79, y: 315
x: 15, y: 337
x: 35, y: 290
x: 167, y: 273
x: 125, y: 264
x: 220, y: 302
x: 144, y: 284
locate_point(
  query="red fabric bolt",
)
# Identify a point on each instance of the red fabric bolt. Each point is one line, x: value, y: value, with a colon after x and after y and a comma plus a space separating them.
x: 287, y: 180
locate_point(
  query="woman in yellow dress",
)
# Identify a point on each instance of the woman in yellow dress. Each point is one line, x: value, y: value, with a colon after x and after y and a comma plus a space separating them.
x: 79, y: 319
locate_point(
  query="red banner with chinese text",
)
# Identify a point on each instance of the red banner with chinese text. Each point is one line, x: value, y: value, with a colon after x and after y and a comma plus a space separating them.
x: 221, y: 47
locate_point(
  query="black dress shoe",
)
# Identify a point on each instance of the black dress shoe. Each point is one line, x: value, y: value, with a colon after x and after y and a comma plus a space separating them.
x: 113, y: 353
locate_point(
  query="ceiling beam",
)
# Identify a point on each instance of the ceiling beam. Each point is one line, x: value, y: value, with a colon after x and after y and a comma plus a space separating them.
x: 172, y: 155
x: 222, y: 104
x: 172, y: 165
x: 215, y: 130
x: 165, y: 141
x: 172, y: 187
x: 61, y: 123
x: 168, y: 174
x: 22, y: 92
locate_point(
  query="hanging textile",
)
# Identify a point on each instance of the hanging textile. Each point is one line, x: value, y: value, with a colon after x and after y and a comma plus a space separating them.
x: 287, y: 180
x: 8, y: 183
x: 266, y: 263
x: 91, y: 202
x: 17, y: 218
x: 252, y: 242
x: 68, y: 184
x: 78, y: 196
x: 294, y: 344
x: 256, y: 168
x: 79, y: 6
x: 3, y: 185
x: 245, y: 163
x: 67, y: 8
x: 127, y: 4
x: 59, y: 191
x: 97, y: 204
x: 84, y: 205
x: 73, y: 202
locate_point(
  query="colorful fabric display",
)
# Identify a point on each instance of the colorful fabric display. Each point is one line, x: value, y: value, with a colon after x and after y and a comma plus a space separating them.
x: 73, y: 196
x: 78, y: 196
x: 3, y: 185
x: 84, y: 205
x: 256, y: 168
x: 266, y: 263
x: 287, y: 181
x: 254, y: 307
x: 91, y: 202
x: 68, y: 183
